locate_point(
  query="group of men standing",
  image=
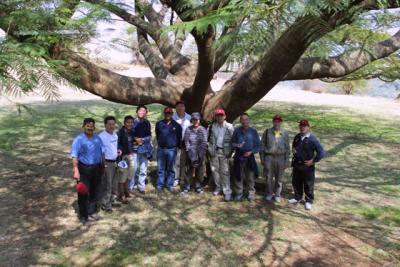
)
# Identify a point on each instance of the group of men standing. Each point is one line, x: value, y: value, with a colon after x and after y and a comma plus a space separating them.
x: 108, y: 166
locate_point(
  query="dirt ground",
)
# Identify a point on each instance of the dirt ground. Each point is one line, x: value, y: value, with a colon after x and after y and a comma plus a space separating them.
x: 39, y: 225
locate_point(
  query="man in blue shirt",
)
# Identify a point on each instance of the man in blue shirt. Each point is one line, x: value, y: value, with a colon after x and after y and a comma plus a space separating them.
x: 169, y: 138
x: 87, y: 154
x: 307, y: 151
x: 246, y: 142
x: 142, y: 149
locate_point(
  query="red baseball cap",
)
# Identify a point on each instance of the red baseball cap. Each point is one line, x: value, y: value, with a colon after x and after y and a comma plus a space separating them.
x: 168, y: 110
x: 304, y: 123
x: 277, y: 118
x: 81, y: 188
x: 219, y: 111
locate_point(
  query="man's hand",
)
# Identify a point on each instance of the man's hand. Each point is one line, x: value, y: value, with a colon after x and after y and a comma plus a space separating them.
x: 139, y: 141
x: 76, y: 175
x: 247, y: 154
x: 309, y: 163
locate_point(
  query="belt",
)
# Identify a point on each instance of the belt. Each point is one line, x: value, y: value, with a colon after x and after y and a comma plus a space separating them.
x: 168, y: 147
x: 111, y: 160
x: 220, y: 148
x: 88, y: 165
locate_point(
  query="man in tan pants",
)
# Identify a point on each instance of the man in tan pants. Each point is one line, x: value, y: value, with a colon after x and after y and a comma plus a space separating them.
x: 274, y: 154
x: 220, y: 149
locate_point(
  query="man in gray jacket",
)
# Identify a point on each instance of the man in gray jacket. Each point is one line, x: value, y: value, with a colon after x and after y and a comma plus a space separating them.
x: 195, y: 140
x: 275, y: 157
x: 220, y: 149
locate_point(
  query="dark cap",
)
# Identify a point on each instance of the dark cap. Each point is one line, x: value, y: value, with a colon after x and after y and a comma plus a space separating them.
x: 304, y: 123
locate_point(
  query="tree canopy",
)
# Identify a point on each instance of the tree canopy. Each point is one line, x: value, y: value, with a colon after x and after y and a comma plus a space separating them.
x: 272, y: 40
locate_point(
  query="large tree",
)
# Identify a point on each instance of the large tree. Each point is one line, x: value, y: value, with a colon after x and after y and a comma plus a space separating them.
x: 278, y: 40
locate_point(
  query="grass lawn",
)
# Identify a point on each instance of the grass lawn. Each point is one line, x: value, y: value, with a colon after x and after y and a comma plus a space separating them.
x: 355, y: 220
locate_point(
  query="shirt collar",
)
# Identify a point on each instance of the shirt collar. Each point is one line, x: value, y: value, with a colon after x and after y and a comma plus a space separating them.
x: 307, y: 135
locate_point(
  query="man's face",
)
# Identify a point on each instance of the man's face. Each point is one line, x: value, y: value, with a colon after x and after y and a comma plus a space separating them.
x: 245, y: 121
x: 168, y: 116
x: 128, y: 124
x: 195, y: 122
x: 304, y: 129
x: 276, y: 124
x: 180, y: 108
x: 220, y: 118
x: 141, y: 113
x: 89, y: 128
x: 110, y: 126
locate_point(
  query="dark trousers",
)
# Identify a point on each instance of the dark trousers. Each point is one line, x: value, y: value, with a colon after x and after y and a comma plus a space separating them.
x: 90, y: 175
x: 303, y: 181
x: 166, y: 167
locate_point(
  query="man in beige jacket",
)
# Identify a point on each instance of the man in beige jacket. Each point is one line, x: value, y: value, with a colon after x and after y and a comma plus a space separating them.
x: 275, y: 157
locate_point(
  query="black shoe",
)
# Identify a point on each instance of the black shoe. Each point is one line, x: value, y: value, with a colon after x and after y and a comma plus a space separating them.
x: 142, y: 192
x: 108, y: 210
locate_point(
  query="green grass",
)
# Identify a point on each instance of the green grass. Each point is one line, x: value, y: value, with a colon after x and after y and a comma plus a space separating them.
x: 386, y: 214
x: 360, y: 175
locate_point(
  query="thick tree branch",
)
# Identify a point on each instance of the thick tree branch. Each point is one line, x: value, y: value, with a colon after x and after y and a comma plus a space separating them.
x: 155, y: 63
x: 335, y: 67
x: 133, y: 19
x: 119, y: 88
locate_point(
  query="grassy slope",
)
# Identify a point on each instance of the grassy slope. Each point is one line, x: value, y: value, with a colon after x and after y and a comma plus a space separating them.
x: 356, y: 219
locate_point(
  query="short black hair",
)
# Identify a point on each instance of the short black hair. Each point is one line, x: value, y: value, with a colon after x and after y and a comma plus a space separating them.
x: 87, y: 121
x: 109, y: 118
x: 141, y: 106
x: 244, y: 114
x: 129, y: 117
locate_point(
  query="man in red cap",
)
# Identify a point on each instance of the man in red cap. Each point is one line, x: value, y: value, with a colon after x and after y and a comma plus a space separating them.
x: 169, y: 139
x: 219, y: 147
x: 275, y: 155
x: 181, y: 117
x: 307, y: 151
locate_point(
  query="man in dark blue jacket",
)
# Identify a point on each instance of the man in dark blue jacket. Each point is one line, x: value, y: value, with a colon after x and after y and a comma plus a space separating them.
x: 169, y: 138
x: 307, y: 151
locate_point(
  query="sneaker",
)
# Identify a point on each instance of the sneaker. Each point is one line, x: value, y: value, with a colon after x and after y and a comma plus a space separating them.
x: 216, y: 193
x: 142, y: 192
x: 308, y: 206
x: 200, y: 191
x: 237, y: 199
x: 293, y: 201
x: 277, y: 199
x: 176, y: 183
x: 184, y: 193
x: 227, y: 198
x: 268, y: 198
x: 95, y: 217
x: 85, y: 222
x: 250, y: 199
x: 171, y: 190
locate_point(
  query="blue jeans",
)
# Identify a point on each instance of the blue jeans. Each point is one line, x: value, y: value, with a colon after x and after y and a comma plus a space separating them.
x: 166, y: 167
x: 139, y: 161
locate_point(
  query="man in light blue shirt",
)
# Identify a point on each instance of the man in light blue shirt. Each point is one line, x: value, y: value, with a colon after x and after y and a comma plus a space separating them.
x: 87, y: 154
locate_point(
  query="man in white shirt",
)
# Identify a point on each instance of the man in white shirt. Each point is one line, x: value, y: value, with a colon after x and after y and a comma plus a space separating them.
x: 109, y: 185
x: 182, y: 118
